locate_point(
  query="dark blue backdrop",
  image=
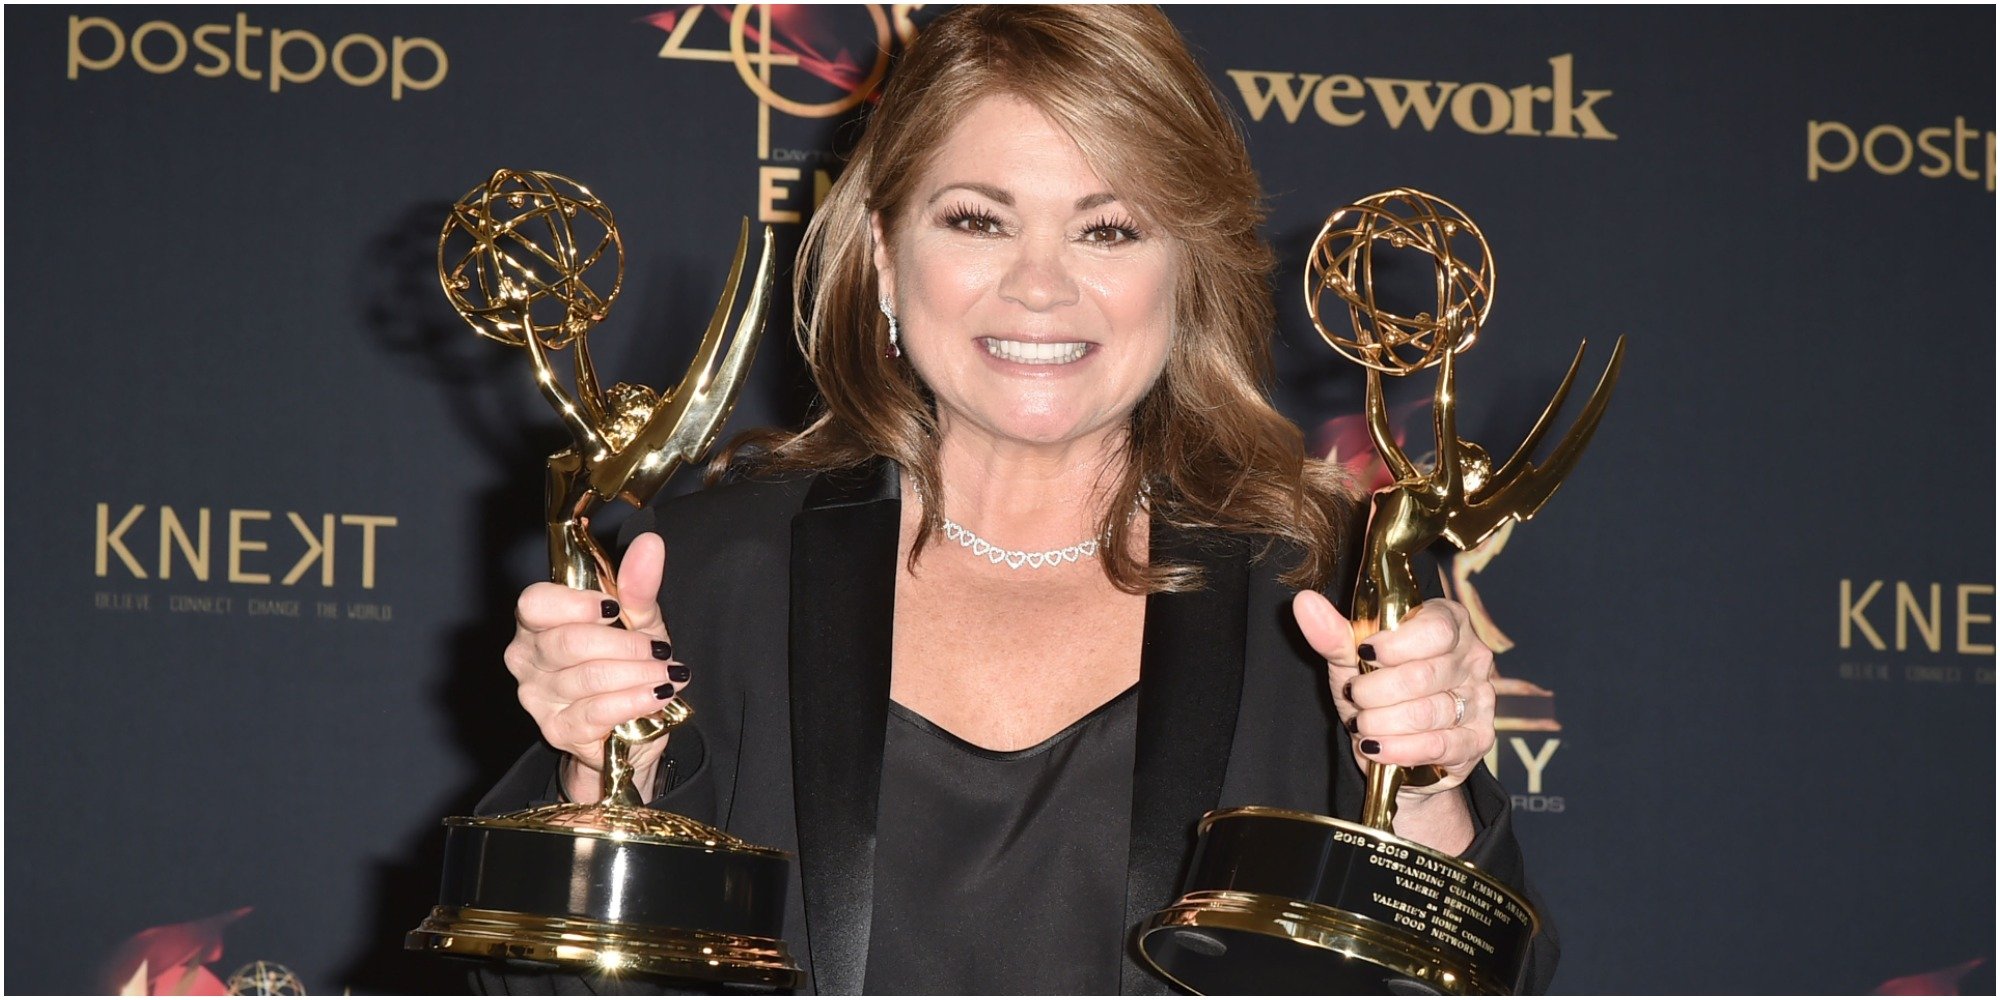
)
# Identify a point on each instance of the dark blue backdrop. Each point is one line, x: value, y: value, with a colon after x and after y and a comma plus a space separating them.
x: 1762, y: 771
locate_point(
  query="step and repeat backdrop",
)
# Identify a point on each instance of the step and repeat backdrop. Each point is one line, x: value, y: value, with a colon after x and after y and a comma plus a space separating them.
x: 269, y: 500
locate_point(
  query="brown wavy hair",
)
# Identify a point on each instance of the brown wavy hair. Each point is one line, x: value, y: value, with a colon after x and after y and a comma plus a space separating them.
x: 1205, y: 441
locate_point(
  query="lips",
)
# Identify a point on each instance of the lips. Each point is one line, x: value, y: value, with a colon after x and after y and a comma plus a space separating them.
x: 1025, y: 352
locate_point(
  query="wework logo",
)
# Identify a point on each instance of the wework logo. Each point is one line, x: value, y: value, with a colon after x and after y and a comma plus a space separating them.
x: 1557, y: 109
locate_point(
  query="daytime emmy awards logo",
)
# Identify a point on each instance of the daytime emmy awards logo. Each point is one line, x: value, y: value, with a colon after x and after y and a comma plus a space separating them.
x: 804, y: 62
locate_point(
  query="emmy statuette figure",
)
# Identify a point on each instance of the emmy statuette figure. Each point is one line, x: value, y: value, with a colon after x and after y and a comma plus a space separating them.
x: 1278, y: 901
x: 608, y: 885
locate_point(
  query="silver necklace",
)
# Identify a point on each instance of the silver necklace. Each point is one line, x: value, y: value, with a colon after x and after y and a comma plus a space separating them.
x: 1018, y: 558
x: 1021, y: 558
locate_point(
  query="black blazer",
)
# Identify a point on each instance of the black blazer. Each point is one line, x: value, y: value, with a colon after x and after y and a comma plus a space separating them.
x: 781, y: 597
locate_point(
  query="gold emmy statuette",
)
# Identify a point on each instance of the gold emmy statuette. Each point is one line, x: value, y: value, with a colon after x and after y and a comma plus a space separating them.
x: 1278, y: 901
x: 608, y: 885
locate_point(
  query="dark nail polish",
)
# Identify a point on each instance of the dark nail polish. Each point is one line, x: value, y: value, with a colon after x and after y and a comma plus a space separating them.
x: 1354, y: 724
x: 1366, y: 651
x: 1371, y: 747
x: 663, y: 650
x: 678, y: 672
x: 610, y: 609
x: 1347, y: 692
x: 664, y: 692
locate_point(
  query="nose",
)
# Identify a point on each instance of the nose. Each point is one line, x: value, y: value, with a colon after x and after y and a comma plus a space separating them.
x: 1038, y: 278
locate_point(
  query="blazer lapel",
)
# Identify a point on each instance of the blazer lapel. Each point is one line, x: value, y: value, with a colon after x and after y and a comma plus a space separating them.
x: 842, y: 627
x: 1190, y: 684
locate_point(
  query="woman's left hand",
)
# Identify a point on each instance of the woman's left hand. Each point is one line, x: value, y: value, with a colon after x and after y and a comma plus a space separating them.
x: 1406, y: 710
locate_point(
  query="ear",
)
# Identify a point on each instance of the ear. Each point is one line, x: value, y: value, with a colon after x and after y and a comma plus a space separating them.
x: 885, y: 268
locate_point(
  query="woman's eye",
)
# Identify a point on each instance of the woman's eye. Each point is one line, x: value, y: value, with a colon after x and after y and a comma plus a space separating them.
x: 972, y: 221
x: 1110, y: 234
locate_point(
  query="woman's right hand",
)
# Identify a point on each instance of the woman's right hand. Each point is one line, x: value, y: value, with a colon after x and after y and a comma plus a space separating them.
x: 579, y: 675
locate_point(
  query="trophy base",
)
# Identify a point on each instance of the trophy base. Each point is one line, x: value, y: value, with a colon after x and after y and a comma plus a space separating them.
x: 1283, y: 902
x: 533, y: 939
x: 612, y: 889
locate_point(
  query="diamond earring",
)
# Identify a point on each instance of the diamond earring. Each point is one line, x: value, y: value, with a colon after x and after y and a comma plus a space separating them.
x: 895, y: 349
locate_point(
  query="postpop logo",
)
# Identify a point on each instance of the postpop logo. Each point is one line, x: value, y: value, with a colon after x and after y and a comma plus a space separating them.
x: 1947, y: 150
x: 289, y: 56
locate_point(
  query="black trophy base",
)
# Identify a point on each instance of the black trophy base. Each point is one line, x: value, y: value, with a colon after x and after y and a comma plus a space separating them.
x: 645, y: 892
x: 1288, y: 903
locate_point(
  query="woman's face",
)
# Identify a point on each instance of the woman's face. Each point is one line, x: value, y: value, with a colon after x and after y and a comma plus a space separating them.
x: 1035, y: 304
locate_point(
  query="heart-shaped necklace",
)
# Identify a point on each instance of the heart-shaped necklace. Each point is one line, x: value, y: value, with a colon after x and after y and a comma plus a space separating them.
x: 1018, y: 558
x: 1021, y: 558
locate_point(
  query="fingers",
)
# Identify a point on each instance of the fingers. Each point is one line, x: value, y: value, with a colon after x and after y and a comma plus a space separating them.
x: 576, y: 697
x: 1432, y: 630
x: 1456, y: 750
x: 580, y: 673
x: 547, y: 605
x: 593, y: 678
x: 580, y: 727
x: 1429, y: 730
x: 1433, y: 650
x: 575, y: 707
x: 561, y: 647
x: 1407, y: 708
x: 639, y: 577
x: 1325, y: 629
x: 1332, y: 637
x: 1393, y: 683
x: 559, y: 627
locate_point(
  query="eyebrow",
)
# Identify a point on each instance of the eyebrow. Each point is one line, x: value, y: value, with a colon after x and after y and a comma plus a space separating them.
x: 1083, y: 204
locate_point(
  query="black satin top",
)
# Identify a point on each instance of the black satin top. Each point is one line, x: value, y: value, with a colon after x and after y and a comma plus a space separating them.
x: 1003, y: 872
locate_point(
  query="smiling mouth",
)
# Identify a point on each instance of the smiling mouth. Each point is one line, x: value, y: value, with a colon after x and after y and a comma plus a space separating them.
x: 1023, y: 352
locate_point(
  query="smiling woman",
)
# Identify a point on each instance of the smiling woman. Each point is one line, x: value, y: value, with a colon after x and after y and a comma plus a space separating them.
x: 1109, y: 104
x: 1033, y: 305
x: 1038, y: 313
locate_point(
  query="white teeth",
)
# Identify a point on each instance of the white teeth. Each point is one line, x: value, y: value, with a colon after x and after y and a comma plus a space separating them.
x: 1023, y: 352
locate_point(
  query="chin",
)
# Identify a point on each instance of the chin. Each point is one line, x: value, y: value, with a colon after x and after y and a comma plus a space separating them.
x: 1045, y: 426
